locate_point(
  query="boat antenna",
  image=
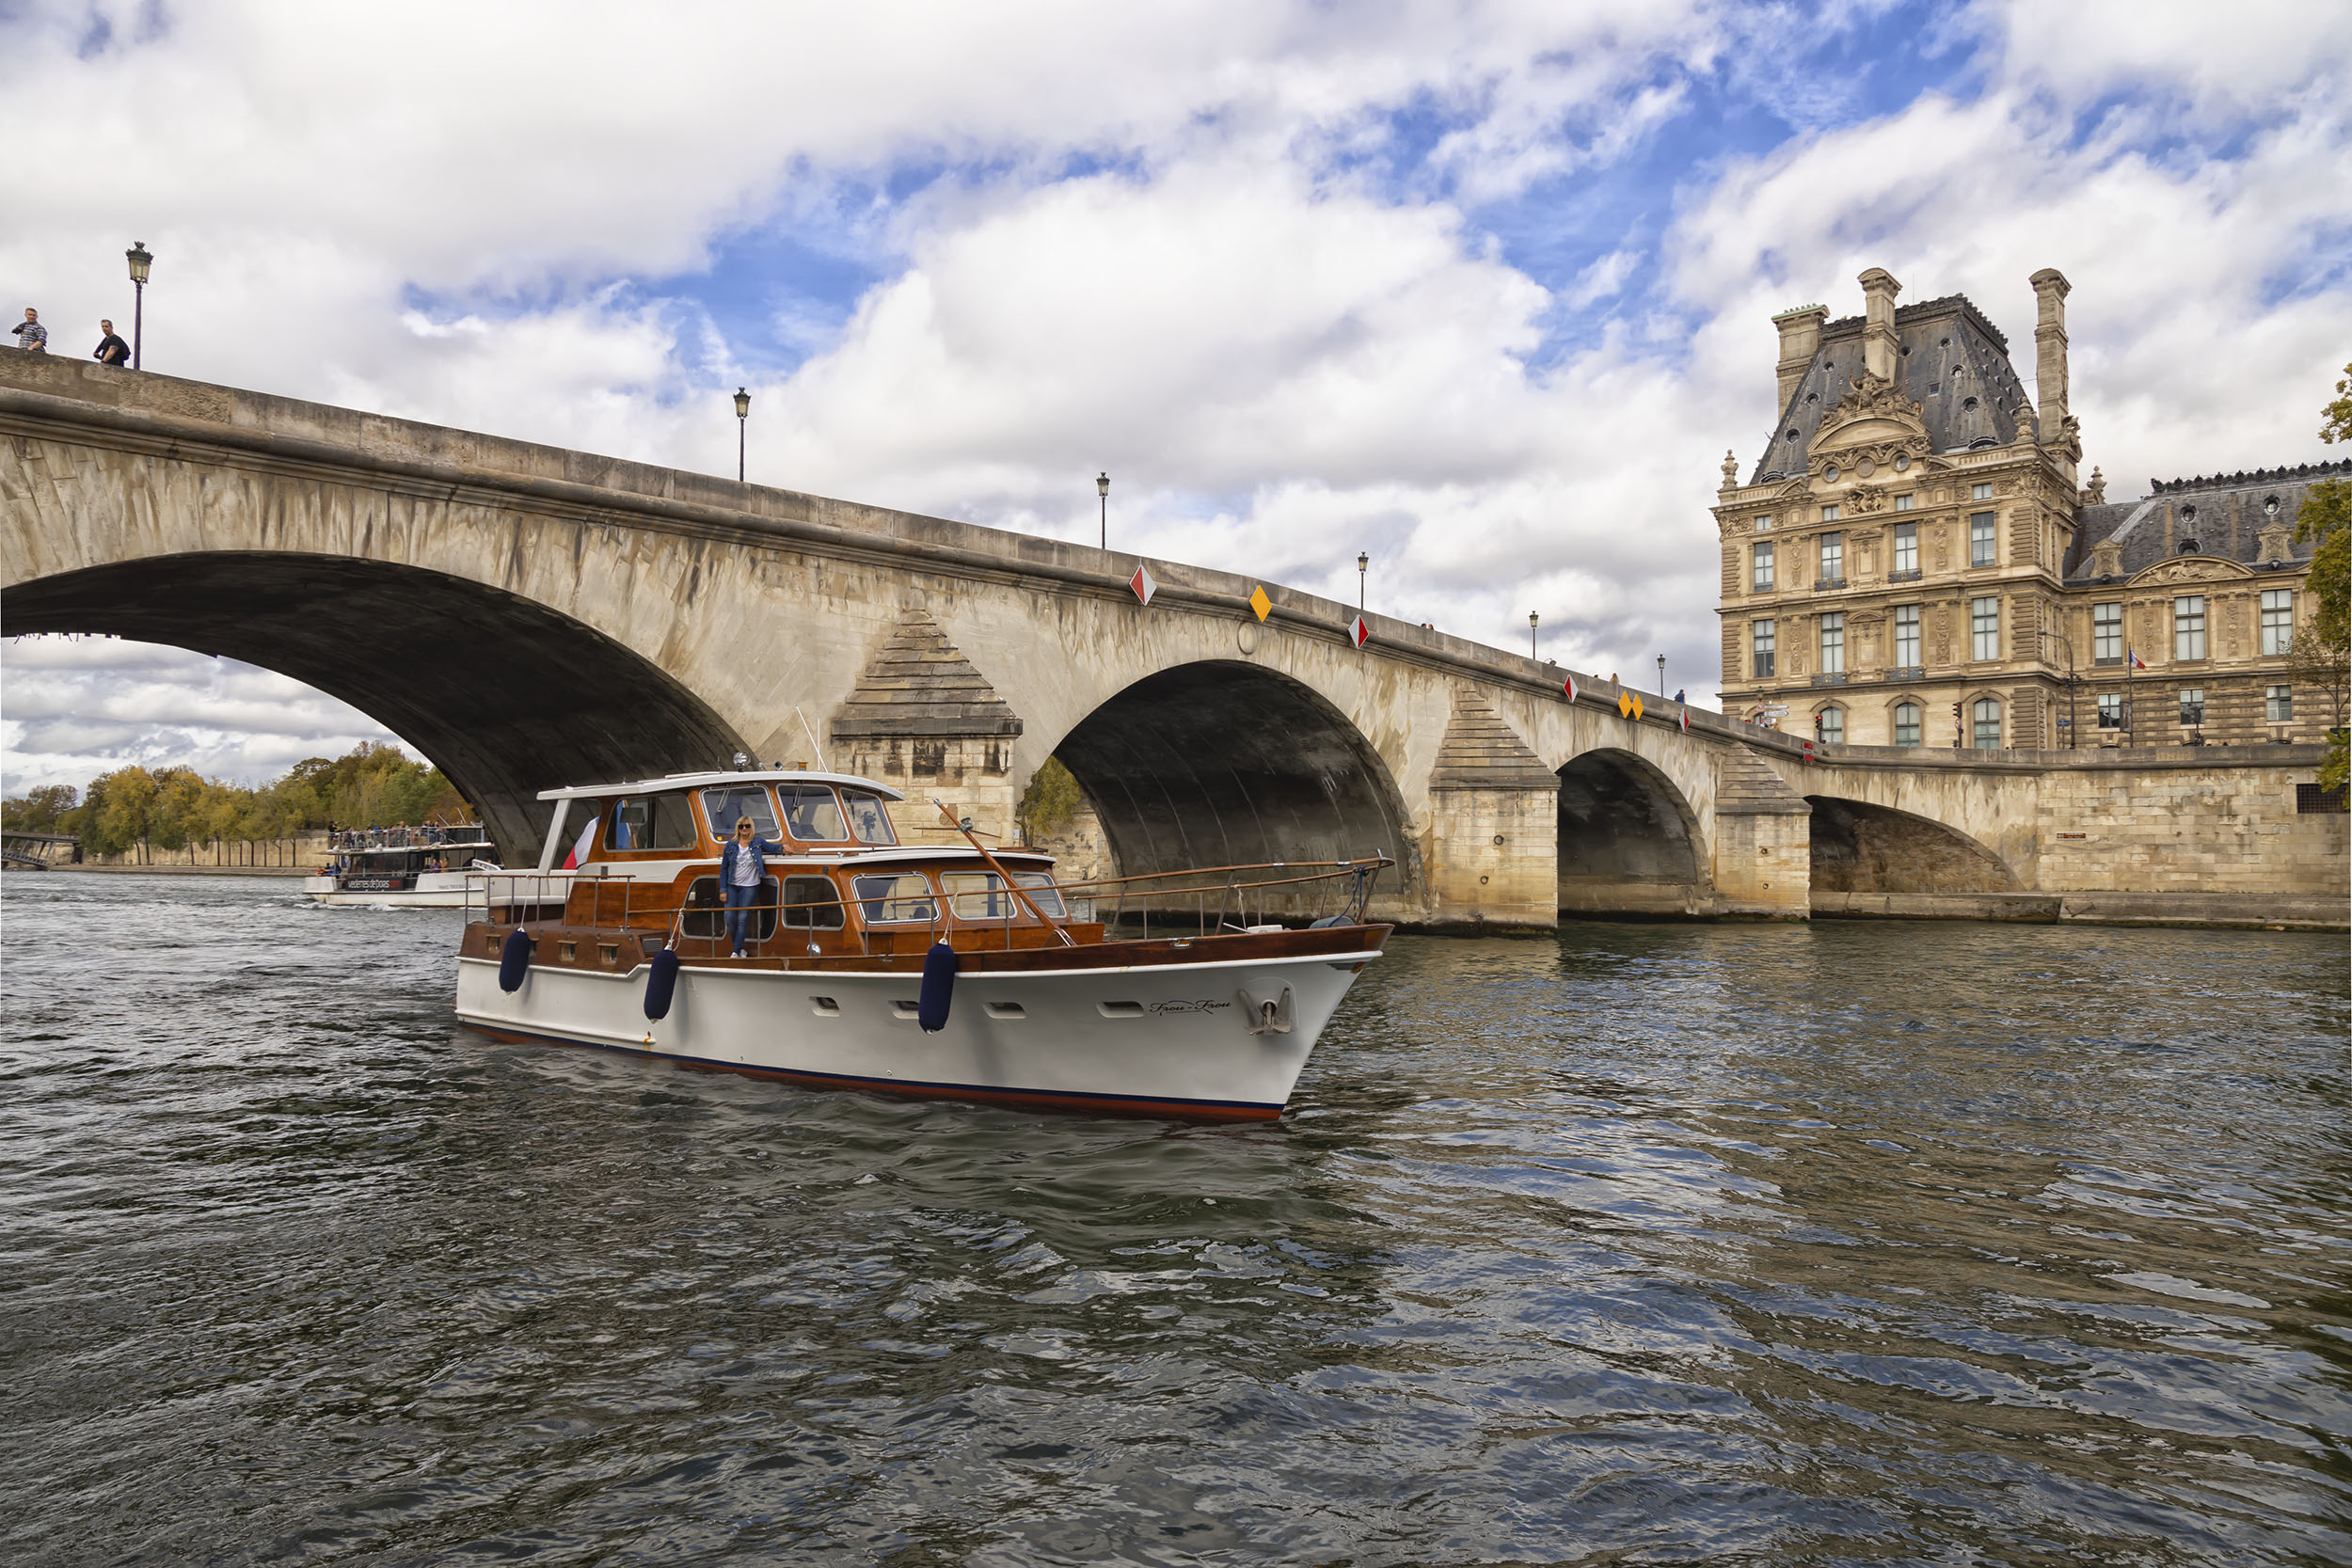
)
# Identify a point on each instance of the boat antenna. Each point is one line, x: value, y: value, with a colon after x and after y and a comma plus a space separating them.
x: 963, y: 826
x: 813, y: 745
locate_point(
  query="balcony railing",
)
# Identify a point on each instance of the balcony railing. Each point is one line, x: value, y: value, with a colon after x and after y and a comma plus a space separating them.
x: 1908, y: 573
x: 1836, y: 679
x: 1822, y: 585
x: 1906, y: 672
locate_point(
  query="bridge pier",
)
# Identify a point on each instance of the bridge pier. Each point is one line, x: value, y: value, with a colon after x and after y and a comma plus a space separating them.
x: 1763, y: 841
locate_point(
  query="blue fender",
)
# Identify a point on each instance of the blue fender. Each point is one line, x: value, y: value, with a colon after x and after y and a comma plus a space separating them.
x: 514, y: 959
x: 939, y: 988
x: 661, y: 984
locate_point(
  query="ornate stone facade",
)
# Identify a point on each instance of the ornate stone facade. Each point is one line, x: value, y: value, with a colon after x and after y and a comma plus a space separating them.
x: 1913, y: 560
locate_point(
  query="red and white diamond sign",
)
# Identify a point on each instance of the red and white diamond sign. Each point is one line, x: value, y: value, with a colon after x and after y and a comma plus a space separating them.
x: 1686, y: 720
x: 1569, y: 685
x: 1144, y: 585
x: 1360, y: 632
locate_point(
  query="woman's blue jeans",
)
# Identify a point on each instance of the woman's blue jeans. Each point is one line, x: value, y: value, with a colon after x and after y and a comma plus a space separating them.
x: 739, y: 901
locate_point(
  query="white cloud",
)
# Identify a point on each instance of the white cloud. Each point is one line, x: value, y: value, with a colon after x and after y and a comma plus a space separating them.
x: 1276, y: 323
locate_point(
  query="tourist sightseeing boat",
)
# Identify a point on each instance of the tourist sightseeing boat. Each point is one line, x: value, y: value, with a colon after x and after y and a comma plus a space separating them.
x: 418, y: 867
x: 945, y: 971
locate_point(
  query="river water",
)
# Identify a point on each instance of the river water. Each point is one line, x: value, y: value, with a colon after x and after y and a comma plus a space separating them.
x: 1851, y: 1243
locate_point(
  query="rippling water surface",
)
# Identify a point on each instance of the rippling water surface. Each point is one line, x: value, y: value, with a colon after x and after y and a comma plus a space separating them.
x: 1849, y: 1243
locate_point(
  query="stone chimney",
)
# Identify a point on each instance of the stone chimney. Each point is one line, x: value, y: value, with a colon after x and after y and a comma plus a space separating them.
x: 1800, y: 340
x: 2050, y: 290
x: 1879, y: 290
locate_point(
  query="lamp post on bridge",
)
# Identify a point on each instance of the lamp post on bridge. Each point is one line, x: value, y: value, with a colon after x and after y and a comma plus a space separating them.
x: 1363, y: 564
x: 1531, y: 635
x: 742, y: 429
x: 140, y: 261
x: 1103, y: 491
x: 1662, y: 678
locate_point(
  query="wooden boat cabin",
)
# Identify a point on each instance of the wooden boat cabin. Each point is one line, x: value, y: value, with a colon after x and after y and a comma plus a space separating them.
x: 644, y: 863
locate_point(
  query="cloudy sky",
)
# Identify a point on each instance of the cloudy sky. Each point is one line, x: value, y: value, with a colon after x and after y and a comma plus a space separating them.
x: 1479, y: 288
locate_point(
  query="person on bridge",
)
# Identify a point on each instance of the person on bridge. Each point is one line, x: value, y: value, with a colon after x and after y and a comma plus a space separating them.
x: 111, y: 350
x: 742, y: 862
x: 31, y: 336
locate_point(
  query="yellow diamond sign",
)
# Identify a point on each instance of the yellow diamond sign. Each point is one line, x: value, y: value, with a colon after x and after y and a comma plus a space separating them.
x: 1628, y: 706
x: 1637, y: 704
x: 1258, y: 602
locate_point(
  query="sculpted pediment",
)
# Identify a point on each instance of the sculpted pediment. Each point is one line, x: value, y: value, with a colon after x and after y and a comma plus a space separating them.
x: 1870, y: 430
x: 2190, y: 568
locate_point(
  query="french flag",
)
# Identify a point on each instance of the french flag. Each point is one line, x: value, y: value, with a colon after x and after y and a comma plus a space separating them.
x: 578, y: 855
x: 2137, y: 662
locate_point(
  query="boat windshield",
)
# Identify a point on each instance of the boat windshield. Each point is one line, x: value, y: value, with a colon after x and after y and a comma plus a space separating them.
x: 885, y: 898
x: 981, y: 895
x: 722, y: 806
x: 870, y: 820
x: 811, y: 814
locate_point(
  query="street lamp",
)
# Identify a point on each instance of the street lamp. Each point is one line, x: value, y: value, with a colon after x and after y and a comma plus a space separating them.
x: 1531, y: 634
x: 1662, y: 678
x: 1363, y: 564
x: 1102, y: 489
x: 141, y: 260
x: 742, y: 429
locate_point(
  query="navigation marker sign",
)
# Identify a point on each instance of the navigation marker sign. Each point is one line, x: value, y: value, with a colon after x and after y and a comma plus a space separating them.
x: 1569, y: 685
x: 1360, y: 632
x: 1685, y: 720
x: 1258, y: 602
x: 1144, y: 585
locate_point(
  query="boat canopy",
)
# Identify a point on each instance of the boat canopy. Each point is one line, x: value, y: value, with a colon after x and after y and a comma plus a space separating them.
x: 723, y: 776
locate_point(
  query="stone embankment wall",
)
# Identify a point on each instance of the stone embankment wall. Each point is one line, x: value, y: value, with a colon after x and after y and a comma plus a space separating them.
x: 284, y: 857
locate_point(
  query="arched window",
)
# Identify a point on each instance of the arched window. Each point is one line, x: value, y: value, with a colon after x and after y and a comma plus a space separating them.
x: 1988, y: 721
x: 1829, y: 726
x: 1906, y: 723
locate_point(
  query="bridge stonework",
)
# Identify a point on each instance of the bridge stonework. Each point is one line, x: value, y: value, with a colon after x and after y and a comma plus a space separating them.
x: 528, y: 616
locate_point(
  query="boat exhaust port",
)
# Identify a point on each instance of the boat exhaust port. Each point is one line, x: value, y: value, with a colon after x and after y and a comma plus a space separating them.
x: 1267, y: 1015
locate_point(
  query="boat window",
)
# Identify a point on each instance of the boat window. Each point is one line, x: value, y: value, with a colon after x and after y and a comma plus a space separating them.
x: 885, y: 899
x: 981, y: 895
x: 705, y: 914
x: 721, y: 807
x: 651, y: 822
x: 1042, y: 893
x: 813, y: 903
x: 811, y: 814
x: 870, y: 820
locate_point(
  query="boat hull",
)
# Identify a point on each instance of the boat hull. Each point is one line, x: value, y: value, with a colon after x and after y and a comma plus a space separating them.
x: 1162, y: 1039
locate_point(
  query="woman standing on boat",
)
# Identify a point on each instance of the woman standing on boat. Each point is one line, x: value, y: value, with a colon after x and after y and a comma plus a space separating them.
x: 742, y: 862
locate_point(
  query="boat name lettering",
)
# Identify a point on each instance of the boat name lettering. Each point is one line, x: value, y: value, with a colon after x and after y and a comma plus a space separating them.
x: 1189, y: 1007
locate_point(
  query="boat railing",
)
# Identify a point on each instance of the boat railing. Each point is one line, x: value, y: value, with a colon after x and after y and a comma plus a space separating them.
x: 1198, y: 902
x: 1268, y: 893
x: 496, y: 894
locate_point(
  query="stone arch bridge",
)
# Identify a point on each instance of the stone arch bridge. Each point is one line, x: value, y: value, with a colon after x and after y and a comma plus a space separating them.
x: 528, y: 616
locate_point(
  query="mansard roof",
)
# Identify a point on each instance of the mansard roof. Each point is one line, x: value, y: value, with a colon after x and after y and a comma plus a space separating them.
x: 1948, y: 358
x: 2224, y: 516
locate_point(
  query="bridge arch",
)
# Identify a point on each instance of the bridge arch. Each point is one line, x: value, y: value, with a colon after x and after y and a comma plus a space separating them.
x: 501, y: 693
x: 1223, y: 763
x: 1629, y: 842
x: 1861, y: 847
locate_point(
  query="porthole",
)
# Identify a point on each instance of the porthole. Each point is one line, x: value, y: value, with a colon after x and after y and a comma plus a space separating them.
x: 1119, y: 1009
x: 1969, y: 404
x: 1903, y: 464
x: 1813, y: 397
x: 1830, y: 474
x: 824, y: 1007
x: 1006, y: 1010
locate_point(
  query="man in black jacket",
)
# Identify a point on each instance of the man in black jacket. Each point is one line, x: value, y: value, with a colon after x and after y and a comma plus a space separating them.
x: 111, y: 350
